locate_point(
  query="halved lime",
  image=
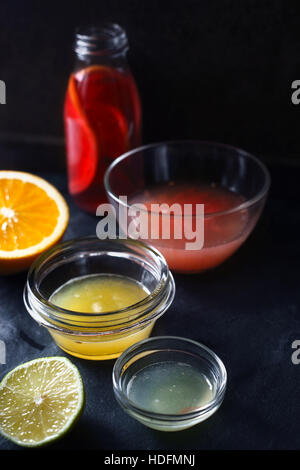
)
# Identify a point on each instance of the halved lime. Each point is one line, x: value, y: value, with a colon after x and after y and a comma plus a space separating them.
x: 40, y: 400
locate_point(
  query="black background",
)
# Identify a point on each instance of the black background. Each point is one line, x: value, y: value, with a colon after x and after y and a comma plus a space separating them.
x: 212, y: 70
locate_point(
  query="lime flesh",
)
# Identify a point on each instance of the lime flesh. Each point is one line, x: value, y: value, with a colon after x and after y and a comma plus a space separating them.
x: 40, y: 400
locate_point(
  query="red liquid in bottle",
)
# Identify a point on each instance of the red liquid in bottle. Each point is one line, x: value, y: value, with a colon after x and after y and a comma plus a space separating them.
x: 102, y: 121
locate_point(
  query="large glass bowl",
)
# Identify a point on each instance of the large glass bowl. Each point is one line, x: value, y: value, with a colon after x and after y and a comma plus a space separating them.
x: 200, y: 164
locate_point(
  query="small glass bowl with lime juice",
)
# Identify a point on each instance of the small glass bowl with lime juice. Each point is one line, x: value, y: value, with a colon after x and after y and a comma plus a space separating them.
x: 169, y: 383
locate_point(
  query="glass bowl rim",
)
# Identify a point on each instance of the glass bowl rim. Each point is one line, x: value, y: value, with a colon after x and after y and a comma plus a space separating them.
x: 129, y: 404
x: 244, y: 205
x: 32, y: 273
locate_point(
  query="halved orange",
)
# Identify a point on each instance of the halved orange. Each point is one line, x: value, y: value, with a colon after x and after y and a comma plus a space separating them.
x: 33, y: 217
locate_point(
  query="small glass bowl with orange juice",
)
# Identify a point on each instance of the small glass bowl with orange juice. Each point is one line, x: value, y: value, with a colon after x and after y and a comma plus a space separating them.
x: 98, y: 297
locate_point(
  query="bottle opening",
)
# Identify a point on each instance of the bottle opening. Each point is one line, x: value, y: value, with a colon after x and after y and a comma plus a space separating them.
x: 101, y: 39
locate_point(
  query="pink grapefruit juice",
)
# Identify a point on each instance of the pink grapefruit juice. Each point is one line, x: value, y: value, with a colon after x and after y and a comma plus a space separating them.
x: 223, y: 232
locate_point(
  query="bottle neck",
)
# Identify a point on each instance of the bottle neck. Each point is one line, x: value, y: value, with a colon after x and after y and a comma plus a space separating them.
x: 104, y: 44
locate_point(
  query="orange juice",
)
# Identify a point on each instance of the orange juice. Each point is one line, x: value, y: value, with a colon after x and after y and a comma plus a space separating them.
x: 99, y: 294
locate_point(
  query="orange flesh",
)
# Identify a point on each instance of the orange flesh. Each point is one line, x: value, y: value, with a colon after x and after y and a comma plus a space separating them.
x: 27, y: 214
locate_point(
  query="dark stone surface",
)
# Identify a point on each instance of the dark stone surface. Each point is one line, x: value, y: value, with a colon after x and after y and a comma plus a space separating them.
x: 247, y: 311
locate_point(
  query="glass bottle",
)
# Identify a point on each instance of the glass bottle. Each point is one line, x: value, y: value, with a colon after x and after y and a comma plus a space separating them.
x: 102, y: 112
